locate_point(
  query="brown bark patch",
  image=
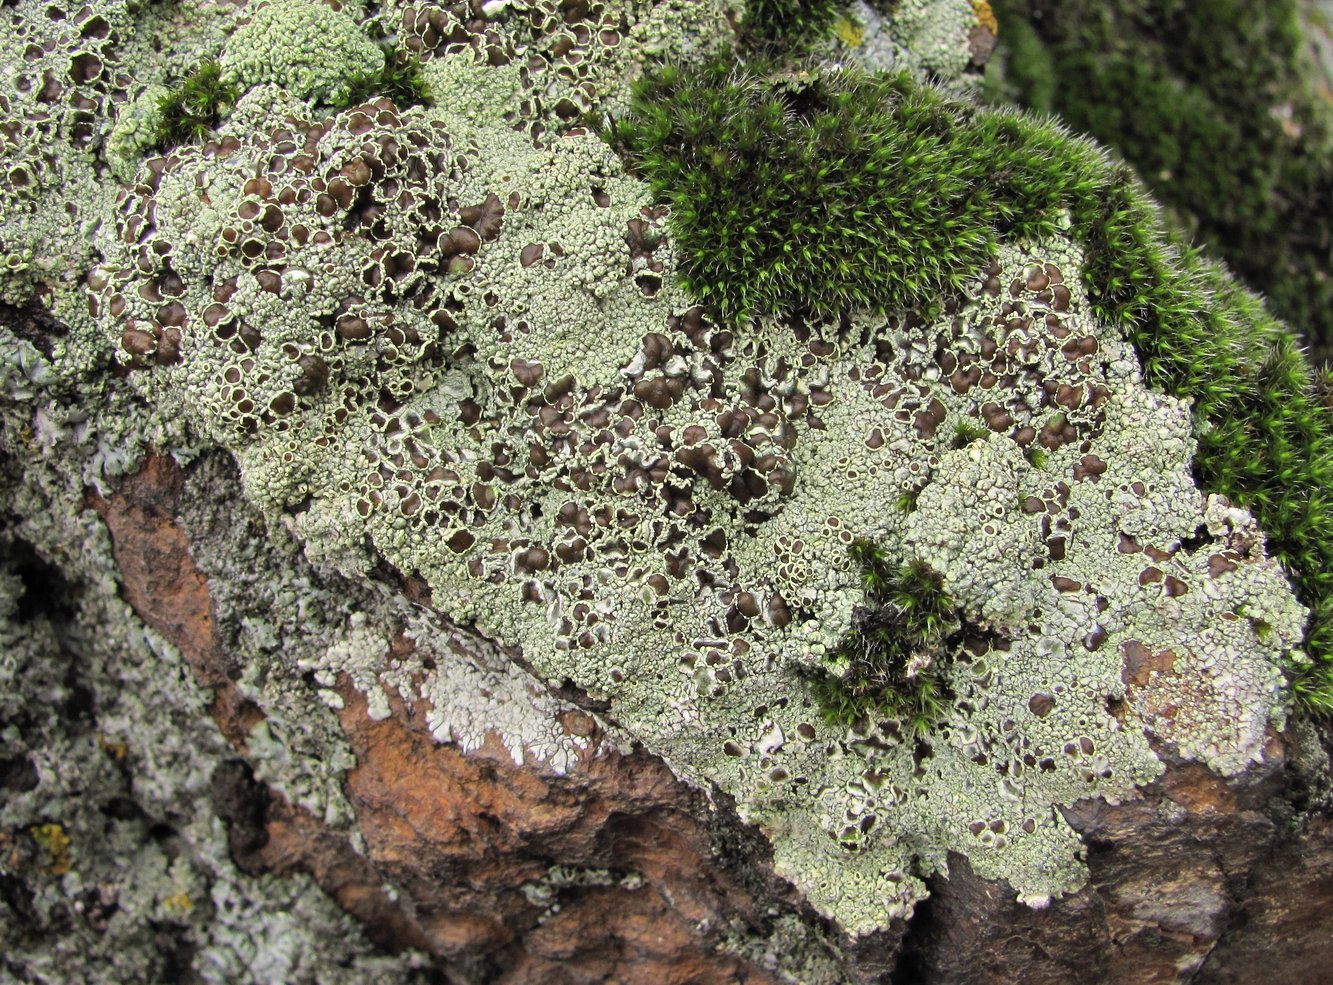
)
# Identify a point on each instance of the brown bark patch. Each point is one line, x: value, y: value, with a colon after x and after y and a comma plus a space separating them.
x: 459, y: 836
x: 167, y: 591
x: 462, y: 835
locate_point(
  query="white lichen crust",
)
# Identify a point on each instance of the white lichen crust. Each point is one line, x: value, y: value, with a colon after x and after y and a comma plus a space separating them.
x: 928, y: 37
x: 309, y: 49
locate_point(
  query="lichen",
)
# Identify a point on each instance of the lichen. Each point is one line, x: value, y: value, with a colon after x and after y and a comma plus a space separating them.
x: 453, y: 338
x: 937, y: 33
x: 67, y: 73
x: 569, y: 59
x: 135, y: 131
x: 545, y: 892
x: 936, y: 38
x: 117, y: 868
x: 486, y: 695
x: 308, y: 48
x: 667, y: 527
x: 58, y: 76
x: 1265, y: 436
x: 56, y: 843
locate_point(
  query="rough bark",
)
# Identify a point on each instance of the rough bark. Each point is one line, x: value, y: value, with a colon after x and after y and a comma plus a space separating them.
x: 1200, y: 879
x: 459, y: 835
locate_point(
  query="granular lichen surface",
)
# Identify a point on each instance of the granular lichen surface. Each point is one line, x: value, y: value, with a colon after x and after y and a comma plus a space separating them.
x: 452, y: 337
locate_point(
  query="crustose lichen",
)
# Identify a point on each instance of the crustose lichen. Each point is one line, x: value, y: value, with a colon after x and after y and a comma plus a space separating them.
x: 822, y: 191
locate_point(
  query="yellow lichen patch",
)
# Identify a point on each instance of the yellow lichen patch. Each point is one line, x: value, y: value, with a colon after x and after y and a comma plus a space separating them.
x: 986, y: 16
x: 179, y: 903
x: 849, y: 31
x: 115, y: 749
x: 54, y: 841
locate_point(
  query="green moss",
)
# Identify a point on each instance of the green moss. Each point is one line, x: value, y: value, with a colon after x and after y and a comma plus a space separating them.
x: 892, y: 658
x: 906, y: 502
x: 1265, y: 437
x: 1206, y: 99
x: 789, y: 23
x: 400, y: 80
x: 827, y: 191
x: 967, y: 431
x: 190, y: 110
x: 1025, y: 70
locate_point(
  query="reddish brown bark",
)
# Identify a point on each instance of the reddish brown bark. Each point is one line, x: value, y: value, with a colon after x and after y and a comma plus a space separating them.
x: 1196, y: 880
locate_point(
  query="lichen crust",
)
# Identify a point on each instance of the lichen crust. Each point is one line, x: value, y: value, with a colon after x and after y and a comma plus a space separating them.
x: 451, y: 338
